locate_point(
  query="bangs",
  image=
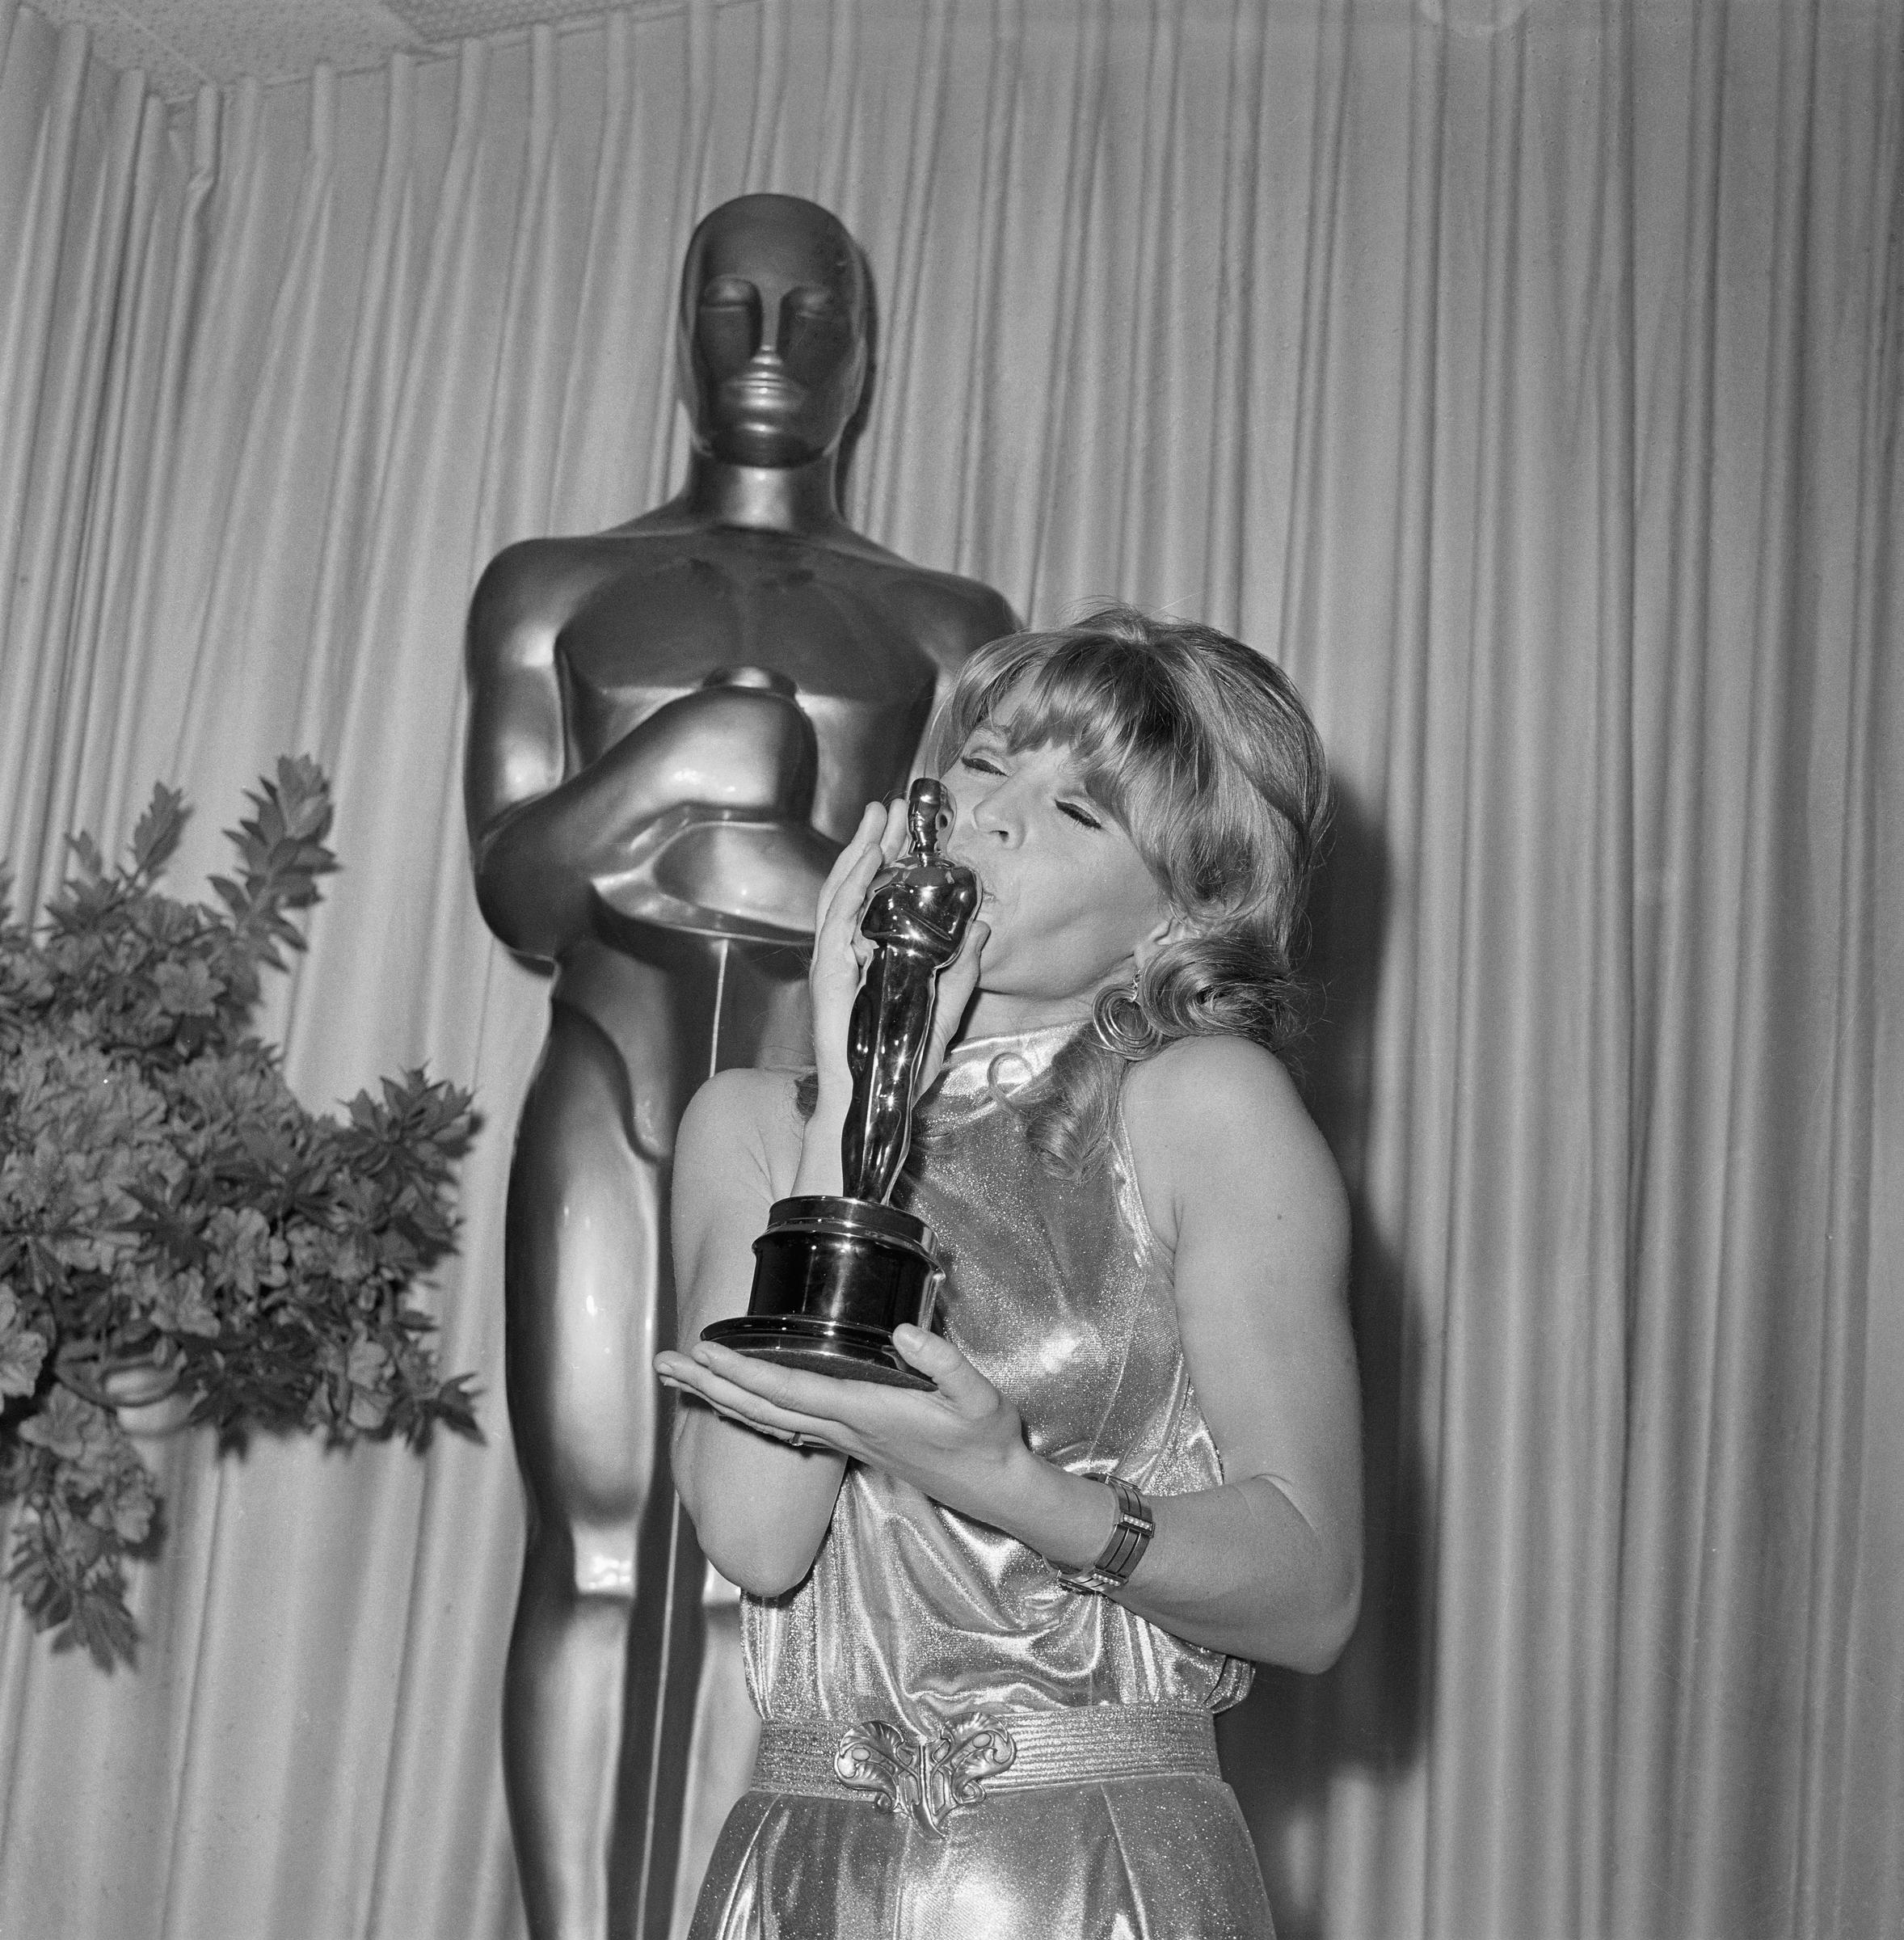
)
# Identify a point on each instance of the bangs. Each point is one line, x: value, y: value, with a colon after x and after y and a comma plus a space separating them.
x: 1098, y: 696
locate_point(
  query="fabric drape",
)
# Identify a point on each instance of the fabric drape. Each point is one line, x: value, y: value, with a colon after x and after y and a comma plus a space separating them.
x: 1527, y: 380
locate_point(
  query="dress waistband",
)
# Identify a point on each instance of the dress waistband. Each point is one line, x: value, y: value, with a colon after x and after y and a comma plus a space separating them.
x: 981, y: 1752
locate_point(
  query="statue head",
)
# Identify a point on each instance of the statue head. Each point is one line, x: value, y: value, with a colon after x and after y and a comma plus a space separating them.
x: 776, y: 303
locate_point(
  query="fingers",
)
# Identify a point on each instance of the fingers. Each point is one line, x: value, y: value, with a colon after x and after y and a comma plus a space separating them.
x: 833, y: 1402
x: 882, y: 837
x: 745, y: 1408
x: 768, y: 1395
x: 839, y: 919
x: 948, y: 1371
x: 961, y: 977
x: 957, y: 982
x: 867, y: 838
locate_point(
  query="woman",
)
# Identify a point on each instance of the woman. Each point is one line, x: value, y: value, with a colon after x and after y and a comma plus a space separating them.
x: 1004, y: 1609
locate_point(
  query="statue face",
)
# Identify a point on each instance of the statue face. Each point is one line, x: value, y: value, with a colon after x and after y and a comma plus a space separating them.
x: 773, y: 331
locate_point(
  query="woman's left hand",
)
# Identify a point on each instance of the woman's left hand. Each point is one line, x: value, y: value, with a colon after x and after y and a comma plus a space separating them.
x: 959, y: 1444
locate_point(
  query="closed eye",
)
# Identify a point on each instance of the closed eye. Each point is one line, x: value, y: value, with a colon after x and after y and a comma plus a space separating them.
x: 1081, y: 816
x: 977, y: 764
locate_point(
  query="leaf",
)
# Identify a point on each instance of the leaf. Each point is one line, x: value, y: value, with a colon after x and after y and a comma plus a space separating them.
x: 157, y: 835
x: 92, y: 864
x: 455, y: 1403
x: 306, y: 797
x: 102, y: 1622
x: 59, y: 1585
x: 173, y: 1232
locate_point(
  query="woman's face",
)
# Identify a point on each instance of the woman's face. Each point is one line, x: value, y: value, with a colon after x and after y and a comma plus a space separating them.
x: 1067, y: 896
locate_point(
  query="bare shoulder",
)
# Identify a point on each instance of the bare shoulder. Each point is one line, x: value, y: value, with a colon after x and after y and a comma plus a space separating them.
x: 1217, y: 1123
x: 742, y: 1126
x: 1202, y: 1093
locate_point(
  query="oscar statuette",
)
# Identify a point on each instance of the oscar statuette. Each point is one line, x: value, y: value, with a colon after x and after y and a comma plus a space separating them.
x: 833, y: 1275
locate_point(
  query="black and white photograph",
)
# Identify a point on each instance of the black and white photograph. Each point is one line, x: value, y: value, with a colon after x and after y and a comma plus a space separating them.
x: 951, y: 970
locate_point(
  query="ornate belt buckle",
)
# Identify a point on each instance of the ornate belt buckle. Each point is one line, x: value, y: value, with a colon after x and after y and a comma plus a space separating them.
x: 931, y: 1777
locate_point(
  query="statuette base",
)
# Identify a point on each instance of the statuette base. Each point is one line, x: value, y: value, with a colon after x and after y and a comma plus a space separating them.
x: 832, y: 1278
x: 847, y: 1354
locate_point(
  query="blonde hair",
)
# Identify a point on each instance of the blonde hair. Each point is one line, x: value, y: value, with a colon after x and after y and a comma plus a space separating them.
x: 1205, y: 754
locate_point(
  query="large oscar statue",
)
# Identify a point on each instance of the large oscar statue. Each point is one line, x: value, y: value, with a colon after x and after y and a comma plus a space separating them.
x: 835, y: 1273
x: 674, y: 724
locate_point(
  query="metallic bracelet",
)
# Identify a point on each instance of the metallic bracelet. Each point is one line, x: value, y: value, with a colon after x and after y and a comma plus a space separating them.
x: 1129, y: 1539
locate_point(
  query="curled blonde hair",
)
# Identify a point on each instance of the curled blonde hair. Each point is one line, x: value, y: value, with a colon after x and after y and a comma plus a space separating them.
x: 1204, y: 754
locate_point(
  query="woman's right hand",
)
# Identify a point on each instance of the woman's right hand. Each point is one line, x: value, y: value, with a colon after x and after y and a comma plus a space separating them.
x: 840, y: 953
x: 957, y: 982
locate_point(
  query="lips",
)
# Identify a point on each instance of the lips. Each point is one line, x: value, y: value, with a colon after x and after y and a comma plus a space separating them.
x: 953, y: 854
x: 762, y: 391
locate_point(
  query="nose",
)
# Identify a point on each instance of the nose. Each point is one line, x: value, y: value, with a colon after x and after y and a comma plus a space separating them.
x: 767, y: 342
x: 965, y: 841
x: 994, y: 816
x: 779, y: 309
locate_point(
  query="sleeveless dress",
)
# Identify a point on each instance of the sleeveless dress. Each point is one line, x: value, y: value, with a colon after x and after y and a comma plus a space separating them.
x: 925, y: 1620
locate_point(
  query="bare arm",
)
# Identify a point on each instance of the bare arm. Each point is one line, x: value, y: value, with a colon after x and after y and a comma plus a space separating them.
x: 760, y: 1508
x: 1240, y: 1184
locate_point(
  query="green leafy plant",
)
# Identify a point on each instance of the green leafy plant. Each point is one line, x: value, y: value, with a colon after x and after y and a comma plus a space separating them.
x: 171, y: 1215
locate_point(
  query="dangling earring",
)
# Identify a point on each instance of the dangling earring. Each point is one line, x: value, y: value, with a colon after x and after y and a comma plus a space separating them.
x: 1121, y: 1027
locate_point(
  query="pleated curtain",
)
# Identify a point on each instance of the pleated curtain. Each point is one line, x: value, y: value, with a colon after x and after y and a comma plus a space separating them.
x: 1526, y: 380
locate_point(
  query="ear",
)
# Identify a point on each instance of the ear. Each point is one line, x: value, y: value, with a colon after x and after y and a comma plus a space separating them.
x: 1172, y: 928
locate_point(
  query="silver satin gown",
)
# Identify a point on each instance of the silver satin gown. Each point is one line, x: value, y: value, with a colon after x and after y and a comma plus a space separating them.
x: 1059, y: 1293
